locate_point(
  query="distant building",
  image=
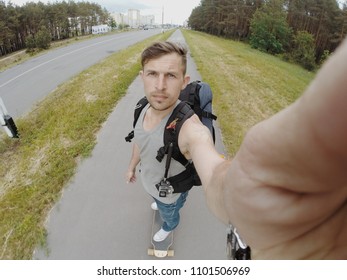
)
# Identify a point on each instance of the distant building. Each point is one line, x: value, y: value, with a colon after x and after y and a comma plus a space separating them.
x: 147, y: 20
x: 120, y: 18
x: 134, y: 18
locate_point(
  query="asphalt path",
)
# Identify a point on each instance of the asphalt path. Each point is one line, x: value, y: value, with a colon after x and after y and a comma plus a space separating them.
x: 100, y: 217
x: 22, y: 86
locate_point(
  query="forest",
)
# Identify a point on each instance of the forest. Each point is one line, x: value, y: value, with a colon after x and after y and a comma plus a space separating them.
x: 37, y: 24
x: 305, y: 31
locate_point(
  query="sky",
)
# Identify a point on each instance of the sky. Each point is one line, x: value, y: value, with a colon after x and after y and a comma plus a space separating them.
x: 175, y: 11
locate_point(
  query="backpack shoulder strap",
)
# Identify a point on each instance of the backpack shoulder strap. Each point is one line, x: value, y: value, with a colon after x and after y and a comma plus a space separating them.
x: 137, y: 112
x: 180, y: 114
x: 138, y: 109
x: 188, y: 178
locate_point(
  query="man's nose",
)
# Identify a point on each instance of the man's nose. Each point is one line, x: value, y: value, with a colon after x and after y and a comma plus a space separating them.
x: 161, y: 82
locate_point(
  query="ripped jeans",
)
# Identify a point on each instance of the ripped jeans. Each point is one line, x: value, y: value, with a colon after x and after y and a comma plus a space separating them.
x: 170, y: 212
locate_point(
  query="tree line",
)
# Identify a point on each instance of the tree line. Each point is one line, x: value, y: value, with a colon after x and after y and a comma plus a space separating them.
x: 37, y: 24
x: 305, y: 31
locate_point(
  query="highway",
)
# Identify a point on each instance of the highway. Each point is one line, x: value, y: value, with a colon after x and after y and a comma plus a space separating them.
x: 23, y: 85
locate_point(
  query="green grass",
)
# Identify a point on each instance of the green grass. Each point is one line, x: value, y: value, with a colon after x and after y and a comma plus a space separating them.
x: 248, y: 85
x: 54, y: 138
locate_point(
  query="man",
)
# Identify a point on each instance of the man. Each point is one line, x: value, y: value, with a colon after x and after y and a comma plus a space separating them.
x: 164, y: 76
x: 286, y: 188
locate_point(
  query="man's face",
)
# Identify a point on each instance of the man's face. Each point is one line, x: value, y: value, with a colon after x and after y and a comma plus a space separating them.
x: 163, y: 80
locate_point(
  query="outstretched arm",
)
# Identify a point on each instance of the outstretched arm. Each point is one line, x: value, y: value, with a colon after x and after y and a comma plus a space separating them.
x: 286, y: 188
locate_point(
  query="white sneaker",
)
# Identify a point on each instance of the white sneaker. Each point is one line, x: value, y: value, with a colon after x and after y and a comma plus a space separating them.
x: 154, y: 206
x: 161, y: 235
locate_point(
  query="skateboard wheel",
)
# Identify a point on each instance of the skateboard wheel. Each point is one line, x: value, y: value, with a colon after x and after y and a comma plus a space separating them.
x: 170, y: 253
x: 150, y: 252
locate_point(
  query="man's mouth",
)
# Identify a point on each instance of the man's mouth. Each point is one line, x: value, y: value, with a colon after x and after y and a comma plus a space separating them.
x: 159, y: 98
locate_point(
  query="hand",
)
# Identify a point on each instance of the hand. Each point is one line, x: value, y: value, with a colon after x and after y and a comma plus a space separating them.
x: 130, y: 176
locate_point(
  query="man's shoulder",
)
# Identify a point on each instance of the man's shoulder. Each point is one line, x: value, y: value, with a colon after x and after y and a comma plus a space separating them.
x: 193, y: 130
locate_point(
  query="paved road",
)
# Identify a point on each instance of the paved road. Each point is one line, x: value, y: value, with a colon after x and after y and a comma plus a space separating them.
x: 22, y: 86
x: 101, y: 217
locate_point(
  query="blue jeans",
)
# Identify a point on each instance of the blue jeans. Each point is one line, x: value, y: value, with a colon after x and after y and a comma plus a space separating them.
x: 170, y: 212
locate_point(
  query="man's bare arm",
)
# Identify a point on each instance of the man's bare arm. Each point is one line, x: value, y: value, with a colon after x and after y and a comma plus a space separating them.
x: 134, y: 161
x: 195, y: 142
x: 286, y: 188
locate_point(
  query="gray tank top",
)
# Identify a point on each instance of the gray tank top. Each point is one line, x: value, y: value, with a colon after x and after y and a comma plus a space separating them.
x: 152, y: 171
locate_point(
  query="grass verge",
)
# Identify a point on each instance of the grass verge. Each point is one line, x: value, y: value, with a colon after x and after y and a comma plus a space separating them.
x: 248, y: 85
x: 54, y: 137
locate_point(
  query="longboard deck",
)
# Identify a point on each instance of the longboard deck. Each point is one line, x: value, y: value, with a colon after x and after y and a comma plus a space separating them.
x: 160, y: 249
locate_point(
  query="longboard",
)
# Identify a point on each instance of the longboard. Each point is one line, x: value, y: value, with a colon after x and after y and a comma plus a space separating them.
x: 160, y: 249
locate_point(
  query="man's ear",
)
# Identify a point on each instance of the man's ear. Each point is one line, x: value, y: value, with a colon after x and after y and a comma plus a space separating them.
x: 141, y: 73
x: 186, y: 81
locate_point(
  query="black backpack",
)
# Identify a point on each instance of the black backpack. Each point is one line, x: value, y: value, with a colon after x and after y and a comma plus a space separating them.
x: 197, y: 99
